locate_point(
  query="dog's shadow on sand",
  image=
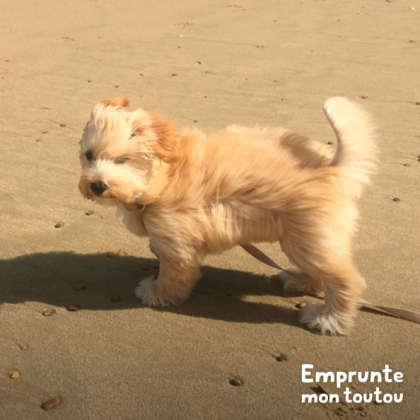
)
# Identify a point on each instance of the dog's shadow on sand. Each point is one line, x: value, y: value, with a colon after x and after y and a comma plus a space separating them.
x: 227, y: 295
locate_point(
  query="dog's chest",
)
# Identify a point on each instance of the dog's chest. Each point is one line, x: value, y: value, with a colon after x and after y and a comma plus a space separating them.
x: 132, y: 220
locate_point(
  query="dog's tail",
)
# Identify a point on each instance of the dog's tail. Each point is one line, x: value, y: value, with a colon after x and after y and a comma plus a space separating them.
x: 356, y: 151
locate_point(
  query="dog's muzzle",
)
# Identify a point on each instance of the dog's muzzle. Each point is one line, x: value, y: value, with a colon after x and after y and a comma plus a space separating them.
x: 98, y: 188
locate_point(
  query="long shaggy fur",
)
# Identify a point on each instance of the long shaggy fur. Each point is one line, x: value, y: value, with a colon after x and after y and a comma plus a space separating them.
x: 194, y: 195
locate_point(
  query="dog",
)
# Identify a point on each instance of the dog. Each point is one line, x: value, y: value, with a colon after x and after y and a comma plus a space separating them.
x: 194, y: 195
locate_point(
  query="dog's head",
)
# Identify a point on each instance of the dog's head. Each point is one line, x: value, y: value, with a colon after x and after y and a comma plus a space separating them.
x: 122, y: 151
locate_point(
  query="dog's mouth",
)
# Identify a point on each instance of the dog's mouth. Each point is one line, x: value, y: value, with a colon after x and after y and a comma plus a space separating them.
x: 104, y: 201
x: 102, y: 197
x: 110, y: 196
x: 107, y: 198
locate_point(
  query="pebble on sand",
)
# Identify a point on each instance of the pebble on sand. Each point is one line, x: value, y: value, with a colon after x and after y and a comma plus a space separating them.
x: 119, y: 253
x: 52, y: 403
x: 24, y: 347
x: 74, y: 308
x: 89, y: 212
x: 236, y: 382
x: 15, y: 375
x: 59, y: 225
x: 103, y: 217
x: 48, y: 312
x: 281, y: 358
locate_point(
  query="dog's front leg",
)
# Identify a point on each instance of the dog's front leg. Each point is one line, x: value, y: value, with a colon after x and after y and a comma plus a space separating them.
x: 153, y: 250
x: 176, y: 279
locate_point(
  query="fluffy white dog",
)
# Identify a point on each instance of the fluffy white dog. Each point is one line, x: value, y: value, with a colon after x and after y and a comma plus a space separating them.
x: 194, y: 195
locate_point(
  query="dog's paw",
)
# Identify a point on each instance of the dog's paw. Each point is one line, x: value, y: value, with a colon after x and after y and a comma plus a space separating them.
x: 315, y: 317
x: 290, y: 282
x: 149, y: 292
x: 296, y: 281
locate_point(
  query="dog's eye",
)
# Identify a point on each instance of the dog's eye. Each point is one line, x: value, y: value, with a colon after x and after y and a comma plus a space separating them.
x: 89, y: 156
x: 121, y: 160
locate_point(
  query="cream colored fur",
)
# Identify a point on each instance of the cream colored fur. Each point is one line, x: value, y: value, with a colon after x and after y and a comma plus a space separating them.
x: 241, y: 185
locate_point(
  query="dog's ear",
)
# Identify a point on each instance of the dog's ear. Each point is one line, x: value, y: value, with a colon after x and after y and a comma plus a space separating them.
x: 118, y: 103
x: 167, y: 143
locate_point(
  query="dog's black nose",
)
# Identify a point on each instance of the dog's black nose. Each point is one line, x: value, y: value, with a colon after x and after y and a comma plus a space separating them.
x: 98, y: 187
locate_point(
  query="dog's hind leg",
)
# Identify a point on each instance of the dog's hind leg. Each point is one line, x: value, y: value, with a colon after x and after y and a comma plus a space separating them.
x: 342, y: 283
x: 344, y: 286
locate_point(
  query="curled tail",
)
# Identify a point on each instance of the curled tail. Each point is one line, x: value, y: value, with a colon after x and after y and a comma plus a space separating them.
x: 356, y: 151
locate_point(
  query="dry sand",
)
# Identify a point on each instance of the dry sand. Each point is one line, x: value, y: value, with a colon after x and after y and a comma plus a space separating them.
x: 209, y: 63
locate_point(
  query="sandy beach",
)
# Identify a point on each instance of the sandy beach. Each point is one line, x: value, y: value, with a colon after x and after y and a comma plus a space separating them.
x: 210, y: 64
